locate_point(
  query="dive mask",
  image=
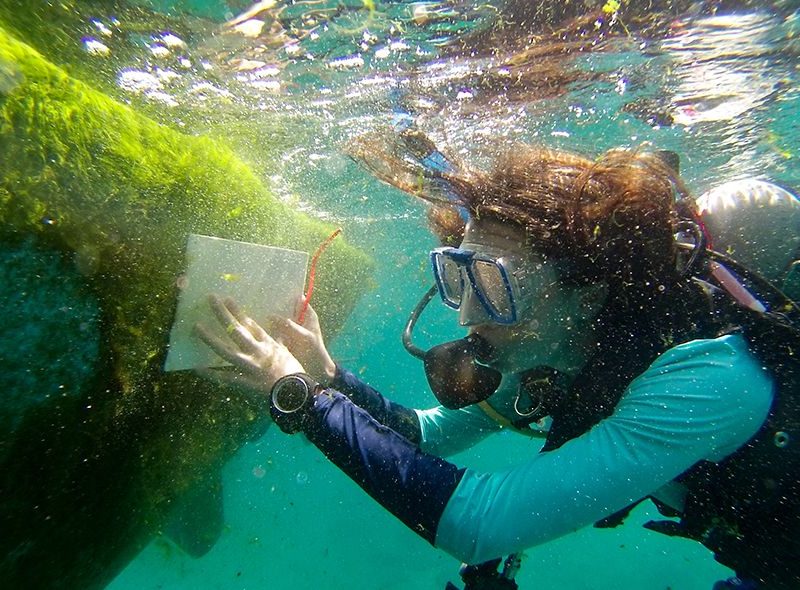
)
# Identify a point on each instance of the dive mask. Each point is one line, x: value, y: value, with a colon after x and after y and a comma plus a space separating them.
x: 497, y: 282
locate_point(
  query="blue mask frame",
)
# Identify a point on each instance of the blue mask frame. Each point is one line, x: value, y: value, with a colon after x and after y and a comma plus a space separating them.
x: 466, y: 261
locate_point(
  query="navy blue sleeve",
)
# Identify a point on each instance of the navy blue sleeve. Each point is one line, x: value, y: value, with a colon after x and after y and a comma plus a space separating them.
x: 412, y: 485
x: 399, y: 418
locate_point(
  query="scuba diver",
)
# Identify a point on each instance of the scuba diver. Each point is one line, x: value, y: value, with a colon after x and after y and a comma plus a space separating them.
x: 597, y: 316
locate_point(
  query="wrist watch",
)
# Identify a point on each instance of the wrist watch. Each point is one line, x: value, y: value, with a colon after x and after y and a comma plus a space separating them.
x: 291, y: 398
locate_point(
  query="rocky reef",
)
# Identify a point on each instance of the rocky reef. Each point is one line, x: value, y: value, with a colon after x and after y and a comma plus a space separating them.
x: 98, y: 446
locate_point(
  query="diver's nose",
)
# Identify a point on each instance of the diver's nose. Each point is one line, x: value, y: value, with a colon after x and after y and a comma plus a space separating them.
x: 471, y: 311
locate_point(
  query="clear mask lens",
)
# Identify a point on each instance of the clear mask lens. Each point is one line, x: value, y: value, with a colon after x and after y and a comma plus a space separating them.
x: 493, y: 284
x: 457, y: 270
x: 451, y: 280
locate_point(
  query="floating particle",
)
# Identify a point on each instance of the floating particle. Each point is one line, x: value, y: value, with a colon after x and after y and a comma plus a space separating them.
x: 250, y: 28
x: 346, y: 63
x: 172, y: 41
x: 159, y: 50
x: 95, y: 47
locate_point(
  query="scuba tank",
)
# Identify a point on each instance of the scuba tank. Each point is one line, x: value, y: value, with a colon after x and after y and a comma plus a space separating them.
x: 756, y: 223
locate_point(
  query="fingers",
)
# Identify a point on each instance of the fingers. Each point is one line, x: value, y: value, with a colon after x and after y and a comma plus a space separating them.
x: 311, y: 320
x: 219, y: 346
x: 257, y: 331
x: 252, y: 326
x: 244, y: 331
x: 289, y: 329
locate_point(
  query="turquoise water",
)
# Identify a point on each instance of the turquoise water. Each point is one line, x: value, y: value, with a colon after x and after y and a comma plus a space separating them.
x: 722, y: 91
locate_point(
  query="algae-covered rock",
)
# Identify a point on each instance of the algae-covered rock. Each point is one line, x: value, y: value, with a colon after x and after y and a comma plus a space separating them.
x: 43, y: 298
x: 101, y: 200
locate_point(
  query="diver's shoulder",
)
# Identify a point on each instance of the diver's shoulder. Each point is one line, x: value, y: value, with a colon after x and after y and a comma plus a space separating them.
x: 724, y: 362
x: 711, y: 377
x: 732, y: 348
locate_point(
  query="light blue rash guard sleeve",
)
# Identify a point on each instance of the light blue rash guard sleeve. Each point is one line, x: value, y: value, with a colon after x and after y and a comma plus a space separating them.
x: 447, y: 432
x: 700, y: 400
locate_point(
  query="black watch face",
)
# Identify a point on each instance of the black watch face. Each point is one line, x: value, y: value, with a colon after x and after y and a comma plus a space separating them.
x: 290, y: 394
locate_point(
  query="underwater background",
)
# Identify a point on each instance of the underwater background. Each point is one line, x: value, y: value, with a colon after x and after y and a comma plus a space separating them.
x: 234, y: 118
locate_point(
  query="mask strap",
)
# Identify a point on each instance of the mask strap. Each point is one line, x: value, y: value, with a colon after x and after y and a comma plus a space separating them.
x: 697, y: 248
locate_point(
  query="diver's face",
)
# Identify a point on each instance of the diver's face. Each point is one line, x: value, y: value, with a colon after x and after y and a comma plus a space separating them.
x: 552, y: 316
x: 516, y: 282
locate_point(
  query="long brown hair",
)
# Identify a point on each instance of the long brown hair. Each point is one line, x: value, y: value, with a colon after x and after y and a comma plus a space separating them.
x: 610, y: 219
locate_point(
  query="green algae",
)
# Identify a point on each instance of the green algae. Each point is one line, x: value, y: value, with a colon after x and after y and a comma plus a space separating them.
x: 94, y: 472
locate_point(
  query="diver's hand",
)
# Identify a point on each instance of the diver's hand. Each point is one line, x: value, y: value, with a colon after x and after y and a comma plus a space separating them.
x: 306, y: 343
x: 260, y: 359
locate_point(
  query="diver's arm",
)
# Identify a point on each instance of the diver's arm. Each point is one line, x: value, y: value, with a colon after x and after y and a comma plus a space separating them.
x: 438, y: 431
x: 397, y: 417
x: 698, y: 401
x: 307, y: 344
x: 413, y: 485
x: 446, y: 432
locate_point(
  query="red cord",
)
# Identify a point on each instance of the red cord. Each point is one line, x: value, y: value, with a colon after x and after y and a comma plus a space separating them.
x: 313, y: 271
